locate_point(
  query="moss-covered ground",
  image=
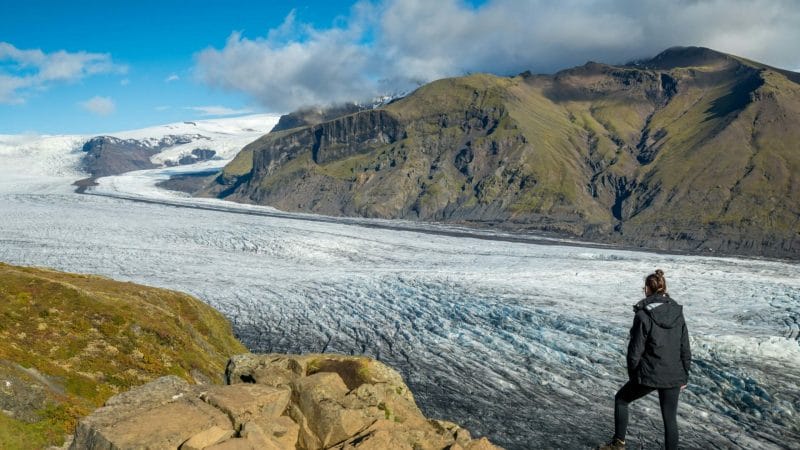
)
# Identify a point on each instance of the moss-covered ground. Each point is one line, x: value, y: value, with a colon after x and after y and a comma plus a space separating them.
x: 68, y: 342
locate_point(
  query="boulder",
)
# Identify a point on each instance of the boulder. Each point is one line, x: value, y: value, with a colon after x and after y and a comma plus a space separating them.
x: 319, y: 400
x: 162, y: 427
x: 162, y: 414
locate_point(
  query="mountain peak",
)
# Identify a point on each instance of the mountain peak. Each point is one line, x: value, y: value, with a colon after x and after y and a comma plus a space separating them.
x: 676, y: 57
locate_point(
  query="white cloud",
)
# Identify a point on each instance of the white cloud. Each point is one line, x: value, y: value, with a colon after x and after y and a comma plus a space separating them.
x: 327, y: 67
x: 124, y: 82
x: 101, y: 106
x: 171, y: 78
x: 217, y: 110
x: 8, y: 89
x: 395, y: 44
x: 162, y: 107
x: 22, y: 71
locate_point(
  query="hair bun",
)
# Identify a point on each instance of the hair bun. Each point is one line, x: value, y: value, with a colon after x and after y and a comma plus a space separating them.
x: 656, y: 282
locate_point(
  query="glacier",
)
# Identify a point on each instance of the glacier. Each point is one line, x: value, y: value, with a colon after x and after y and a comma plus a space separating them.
x: 521, y: 340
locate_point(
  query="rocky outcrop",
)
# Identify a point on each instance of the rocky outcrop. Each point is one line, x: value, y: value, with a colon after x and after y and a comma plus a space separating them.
x: 108, y: 155
x: 197, y: 155
x: 315, y: 401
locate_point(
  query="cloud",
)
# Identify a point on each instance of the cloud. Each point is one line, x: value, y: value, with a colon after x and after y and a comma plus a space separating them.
x: 101, y: 106
x: 217, y: 110
x: 124, y: 82
x: 23, y: 71
x: 325, y: 66
x: 171, y: 78
x: 162, y: 107
x: 393, y: 45
x: 8, y: 89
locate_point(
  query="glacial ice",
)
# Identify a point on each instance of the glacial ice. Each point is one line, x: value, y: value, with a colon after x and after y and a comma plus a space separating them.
x: 522, y: 342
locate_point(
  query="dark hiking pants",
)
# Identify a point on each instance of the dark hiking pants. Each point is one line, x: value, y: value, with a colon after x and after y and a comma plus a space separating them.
x: 668, y: 398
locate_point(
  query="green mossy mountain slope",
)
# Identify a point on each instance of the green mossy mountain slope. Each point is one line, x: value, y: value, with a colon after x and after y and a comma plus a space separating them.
x: 68, y: 342
x: 692, y: 150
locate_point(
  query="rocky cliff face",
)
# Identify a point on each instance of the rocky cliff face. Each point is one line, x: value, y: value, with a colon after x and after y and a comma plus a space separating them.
x: 318, y: 401
x: 692, y: 150
x: 314, y: 116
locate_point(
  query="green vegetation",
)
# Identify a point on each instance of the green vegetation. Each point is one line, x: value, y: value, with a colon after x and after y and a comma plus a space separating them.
x: 348, y: 168
x: 289, y: 171
x: 80, y: 339
x: 241, y: 164
x: 453, y: 95
x: 729, y: 158
x: 16, y: 434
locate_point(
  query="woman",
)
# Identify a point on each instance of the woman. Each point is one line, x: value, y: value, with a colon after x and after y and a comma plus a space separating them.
x: 658, y: 359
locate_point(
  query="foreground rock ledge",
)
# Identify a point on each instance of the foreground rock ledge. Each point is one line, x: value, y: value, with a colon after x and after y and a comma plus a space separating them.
x: 275, y: 401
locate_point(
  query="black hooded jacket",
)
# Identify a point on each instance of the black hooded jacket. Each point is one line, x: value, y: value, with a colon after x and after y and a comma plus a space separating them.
x: 658, y: 352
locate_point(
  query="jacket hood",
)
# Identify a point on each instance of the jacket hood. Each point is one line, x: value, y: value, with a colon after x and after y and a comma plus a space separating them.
x: 662, y: 310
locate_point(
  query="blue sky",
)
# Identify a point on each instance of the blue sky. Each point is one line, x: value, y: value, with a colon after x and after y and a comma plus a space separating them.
x: 90, y: 66
x: 150, y: 41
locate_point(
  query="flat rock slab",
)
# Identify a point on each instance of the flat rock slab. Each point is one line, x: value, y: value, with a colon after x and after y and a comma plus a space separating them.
x: 159, y: 415
x: 245, y: 402
x: 163, y: 427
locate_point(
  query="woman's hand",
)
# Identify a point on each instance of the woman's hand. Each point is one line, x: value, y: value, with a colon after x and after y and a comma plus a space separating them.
x: 683, y: 387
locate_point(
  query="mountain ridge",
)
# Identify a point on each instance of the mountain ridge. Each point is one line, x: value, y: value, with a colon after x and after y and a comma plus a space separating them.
x: 658, y: 154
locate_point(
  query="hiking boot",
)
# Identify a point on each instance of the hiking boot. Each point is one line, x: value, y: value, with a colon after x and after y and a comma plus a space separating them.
x: 615, y: 444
